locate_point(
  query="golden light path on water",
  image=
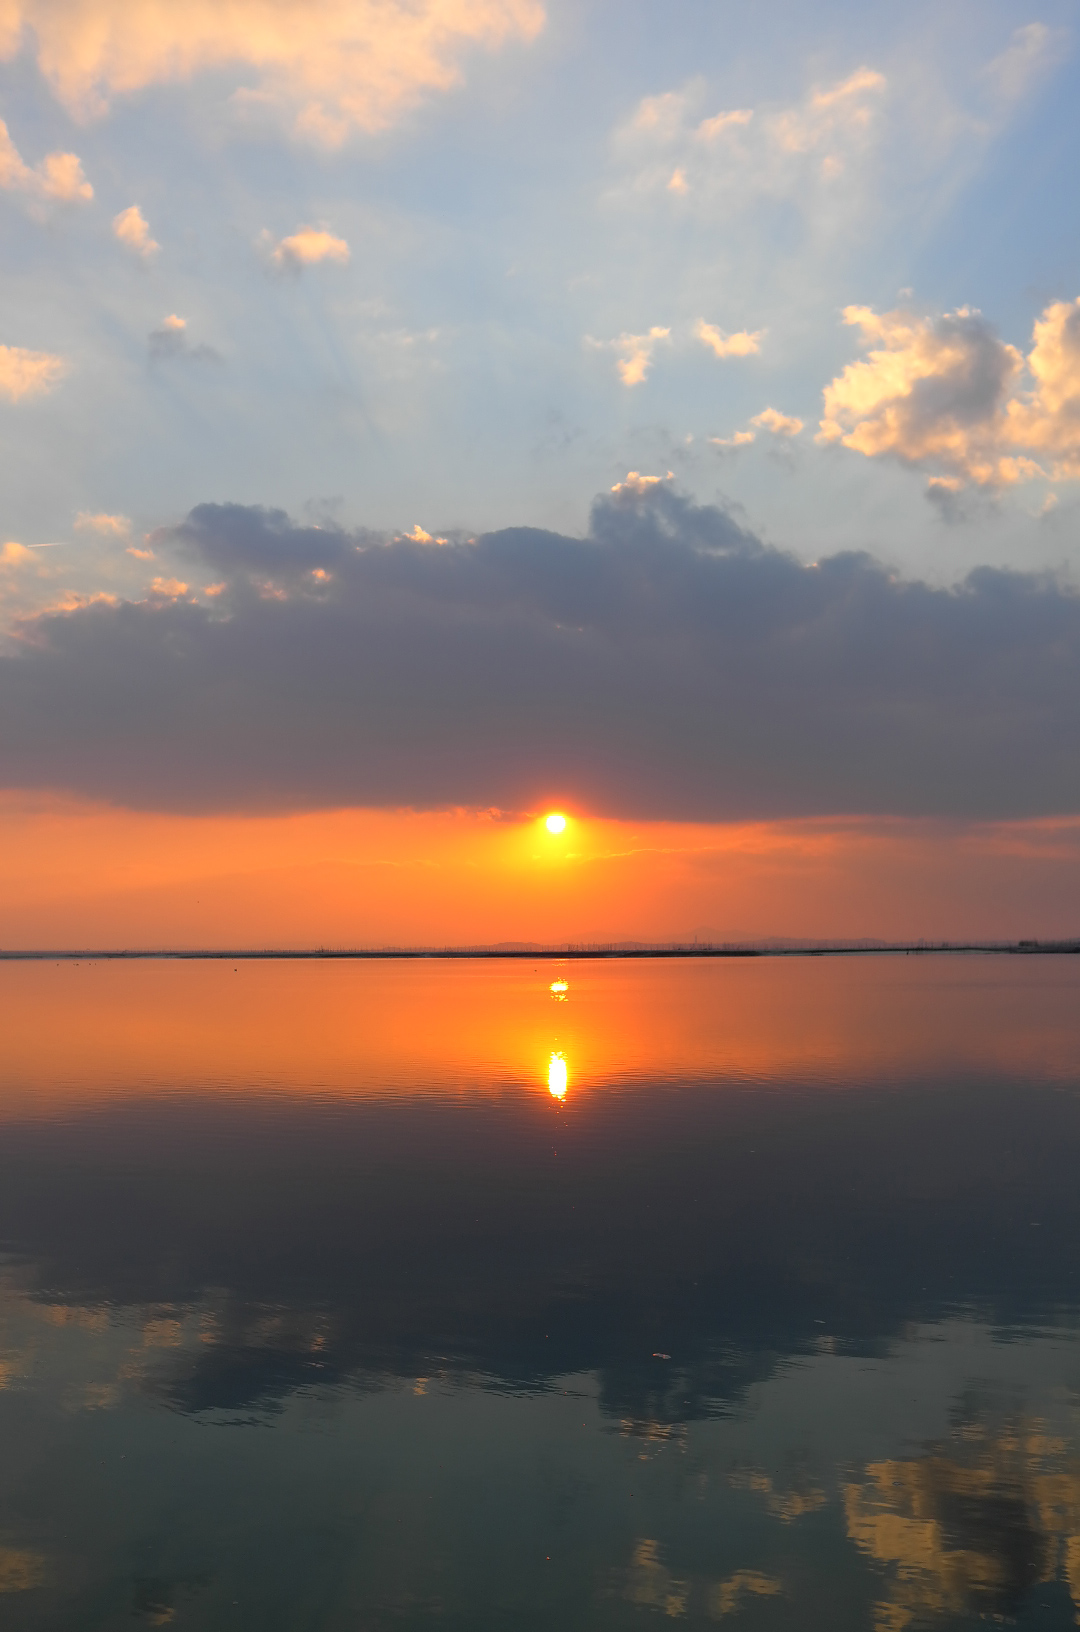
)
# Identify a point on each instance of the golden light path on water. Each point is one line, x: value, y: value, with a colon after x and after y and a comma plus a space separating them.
x: 557, y: 1076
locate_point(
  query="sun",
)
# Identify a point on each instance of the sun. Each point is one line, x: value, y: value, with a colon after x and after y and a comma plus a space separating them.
x: 555, y: 823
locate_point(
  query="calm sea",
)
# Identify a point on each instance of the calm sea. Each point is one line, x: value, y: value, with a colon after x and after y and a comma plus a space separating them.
x: 540, y: 1295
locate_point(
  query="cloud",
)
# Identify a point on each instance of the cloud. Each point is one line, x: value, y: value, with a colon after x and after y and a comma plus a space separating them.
x: 945, y: 493
x: 638, y: 484
x: 742, y: 153
x: 106, y: 526
x: 324, y: 67
x: 28, y: 373
x: 13, y: 554
x: 668, y: 664
x: 1046, y: 420
x: 844, y: 110
x: 1025, y: 61
x: 948, y: 395
x: 170, y: 339
x: 770, y: 419
x: 634, y: 352
x: 741, y: 344
x: 720, y: 123
x: 57, y: 179
x: 133, y: 231
x: 306, y: 247
x: 741, y: 439
x: 419, y: 535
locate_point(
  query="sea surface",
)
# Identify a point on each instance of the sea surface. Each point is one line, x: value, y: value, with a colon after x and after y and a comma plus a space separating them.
x: 535, y: 1295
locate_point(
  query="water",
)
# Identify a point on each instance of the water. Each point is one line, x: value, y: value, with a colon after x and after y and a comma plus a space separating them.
x: 540, y: 1296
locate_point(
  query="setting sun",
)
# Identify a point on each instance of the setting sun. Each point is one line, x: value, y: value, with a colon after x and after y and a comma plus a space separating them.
x: 555, y: 823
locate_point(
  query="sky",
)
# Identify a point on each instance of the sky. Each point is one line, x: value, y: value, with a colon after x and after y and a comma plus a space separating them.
x: 421, y: 415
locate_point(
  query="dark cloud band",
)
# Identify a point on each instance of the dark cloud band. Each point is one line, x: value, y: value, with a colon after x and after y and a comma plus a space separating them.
x: 667, y: 665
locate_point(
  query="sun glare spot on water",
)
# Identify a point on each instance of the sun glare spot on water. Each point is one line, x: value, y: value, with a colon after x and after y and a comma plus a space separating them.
x: 559, y: 988
x: 557, y: 1077
x: 555, y: 823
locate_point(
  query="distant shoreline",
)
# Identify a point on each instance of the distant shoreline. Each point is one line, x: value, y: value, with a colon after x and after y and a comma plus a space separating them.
x: 579, y: 953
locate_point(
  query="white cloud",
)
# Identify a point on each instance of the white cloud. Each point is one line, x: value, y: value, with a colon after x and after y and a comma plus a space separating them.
x: 28, y: 373
x: 1046, y: 419
x: 133, y: 231
x: 948, y: 395
x: 168, y: 589
x: 57, y: 179
x: 1024, y: 62
x: 637, y: 483
x: 709, y: 129
x: 170, y: 339
x: 633, y: 352
x: 741, y: 344
x: 743, y: 152
x: 306, y: 247
x: 101, y: 522
x: 770, y: 419
x: 327, y: 67
x: 13, y: 554
x: 420, y: 536
x: 662, y: 117
x: 831, y: 116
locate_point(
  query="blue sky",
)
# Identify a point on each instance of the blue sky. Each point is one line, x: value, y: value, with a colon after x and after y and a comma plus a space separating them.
x: 461, y: 368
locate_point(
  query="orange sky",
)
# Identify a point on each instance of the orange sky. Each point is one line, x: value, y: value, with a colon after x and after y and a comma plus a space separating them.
x: 78, y: 874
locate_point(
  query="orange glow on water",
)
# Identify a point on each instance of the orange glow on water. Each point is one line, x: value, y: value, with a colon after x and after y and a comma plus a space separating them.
x: 85, y: 1033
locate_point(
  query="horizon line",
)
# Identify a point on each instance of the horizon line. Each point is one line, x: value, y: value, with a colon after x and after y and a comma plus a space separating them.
x: 518, y: 951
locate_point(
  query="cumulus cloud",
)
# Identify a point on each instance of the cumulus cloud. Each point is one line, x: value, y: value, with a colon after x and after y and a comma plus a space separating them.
x: 306, y: 247
x: 633, y: 352
x: 28, y: 373
x: 57, y: 179
x: 948, y: 395
x: 105, y: 525
x: 133, y: 231
x: 14, y: 554
x: 1046, y: 420
x: 170, y: 339
x: 667, y: 664
x: 742, y: 153
x: 326, y: 67
x: 638, y: 484
x: 418, y: 535
x: 742, y: 344
x: 772, y: 420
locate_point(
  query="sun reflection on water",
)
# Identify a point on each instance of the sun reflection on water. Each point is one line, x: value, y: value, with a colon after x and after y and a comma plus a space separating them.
x: 557, y: 1076
x: 559, y: 989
